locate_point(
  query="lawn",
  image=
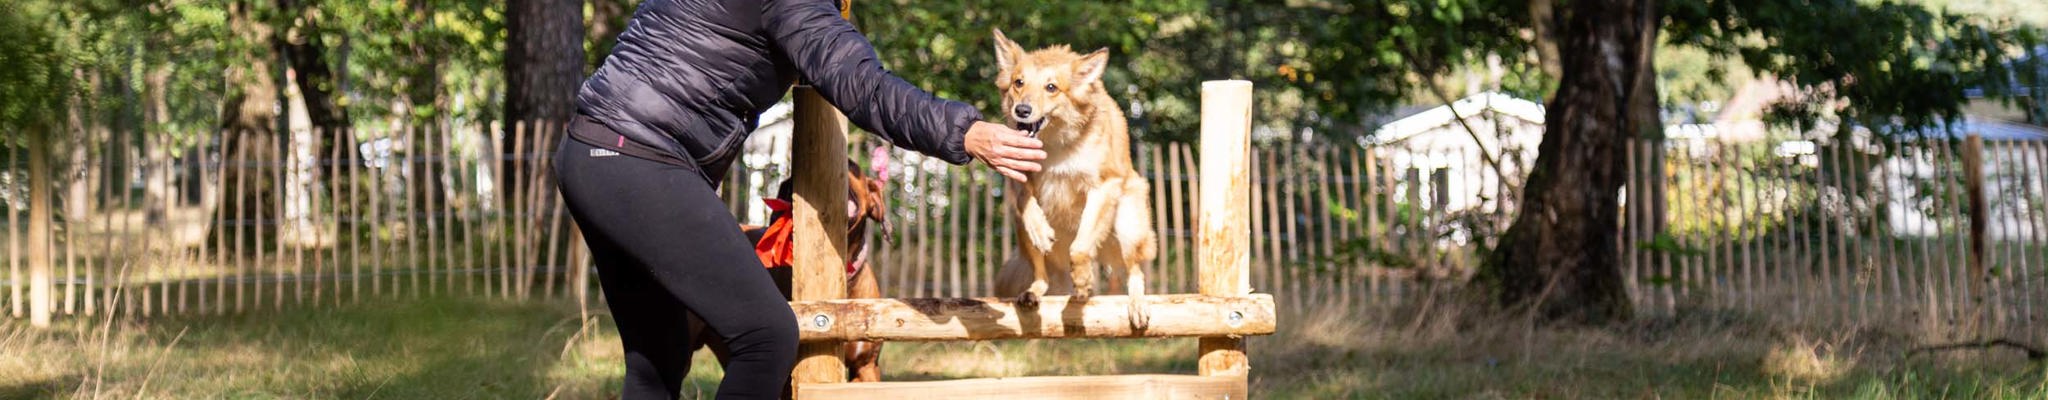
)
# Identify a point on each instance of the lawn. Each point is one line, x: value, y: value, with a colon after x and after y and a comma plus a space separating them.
x: 453, y: 348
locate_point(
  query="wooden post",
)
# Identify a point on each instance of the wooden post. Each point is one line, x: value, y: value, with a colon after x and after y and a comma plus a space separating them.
x: 1226, y: 190
x: 1973, y: 186
x: 39, y: 289
x: 819, y: 158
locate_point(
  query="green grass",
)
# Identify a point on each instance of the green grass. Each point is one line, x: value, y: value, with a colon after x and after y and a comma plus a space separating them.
x: 435, y: 348
x: 444, y: 348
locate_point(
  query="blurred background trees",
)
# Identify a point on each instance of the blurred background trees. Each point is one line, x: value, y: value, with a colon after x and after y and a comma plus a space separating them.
x: 172, y: 75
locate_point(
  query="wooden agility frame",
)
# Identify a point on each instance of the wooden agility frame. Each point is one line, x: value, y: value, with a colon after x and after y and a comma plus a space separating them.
x: 1222, y: 315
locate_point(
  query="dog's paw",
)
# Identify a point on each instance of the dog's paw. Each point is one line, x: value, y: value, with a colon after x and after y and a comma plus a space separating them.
x: 1027, y: 300
x: 1030, y: 297
x: 1141, y: 316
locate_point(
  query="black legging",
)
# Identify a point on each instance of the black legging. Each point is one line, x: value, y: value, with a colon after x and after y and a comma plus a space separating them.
x: 664, y: 242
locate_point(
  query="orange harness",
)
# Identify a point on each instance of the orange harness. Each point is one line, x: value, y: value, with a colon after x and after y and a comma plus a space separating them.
x: 778, y: 247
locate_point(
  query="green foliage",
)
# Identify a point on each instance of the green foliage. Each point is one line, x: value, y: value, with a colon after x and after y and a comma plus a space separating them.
x: 1665, y: 243
x: 1317, y: 64
x: 1888, y: 66
x: 436, y: 56
x: 36, y: 76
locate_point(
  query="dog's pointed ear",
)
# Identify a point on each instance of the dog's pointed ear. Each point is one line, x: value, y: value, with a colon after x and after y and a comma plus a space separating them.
x: 1007, y: 52
x: 1088, y: 70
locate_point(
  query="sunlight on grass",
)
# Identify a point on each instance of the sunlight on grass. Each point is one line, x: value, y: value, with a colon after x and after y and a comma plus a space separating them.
x: 481, y: 348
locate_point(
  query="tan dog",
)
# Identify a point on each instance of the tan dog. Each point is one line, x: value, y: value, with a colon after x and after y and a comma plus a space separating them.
x: 1088, y: 205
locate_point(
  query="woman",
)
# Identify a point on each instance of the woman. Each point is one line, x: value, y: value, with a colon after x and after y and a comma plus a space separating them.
x: 667, y: 115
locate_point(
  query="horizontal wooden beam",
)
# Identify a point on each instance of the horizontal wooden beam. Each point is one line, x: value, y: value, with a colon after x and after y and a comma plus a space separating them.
x: 985, y: 318
x: 1038, y: 388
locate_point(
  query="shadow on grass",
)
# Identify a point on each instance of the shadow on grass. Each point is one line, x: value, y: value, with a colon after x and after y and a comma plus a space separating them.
x: 57, y: 387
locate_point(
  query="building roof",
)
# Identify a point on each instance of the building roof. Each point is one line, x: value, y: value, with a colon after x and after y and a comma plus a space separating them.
x: 1440, y: 116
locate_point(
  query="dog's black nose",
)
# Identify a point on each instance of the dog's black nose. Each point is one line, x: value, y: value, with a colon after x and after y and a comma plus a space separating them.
x: 1023, y: 111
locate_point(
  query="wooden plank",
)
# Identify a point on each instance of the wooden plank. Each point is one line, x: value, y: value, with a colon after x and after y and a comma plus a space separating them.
x: 1159, y: 202
x: 818, y: 155
x: 1262, y: 273
x: 1320, y: 279
x: 15, y: 300
x: 2031, y: 191
x: 39, y: 290
x: 353, y: 232
x: 955, y: 206
x: 1173, y: 248
x: 278, y: 162
x: 1290, y: 283
x: 241, y: 220
x: 977, y: 244
x: 1040, y: 388
x: 1746, y: 202
x: 991, y: 318
x: 1973, y: 186
x: 920, y: 281
x: 1225, y: 259
x: 1352, y: 229
x: 1927, y: 275
x: 96, y: 175
x: 1192, y: 244
x: 1372, y: 192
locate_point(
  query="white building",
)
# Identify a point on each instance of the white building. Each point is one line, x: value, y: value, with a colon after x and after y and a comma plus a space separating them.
x: 1452, y: 165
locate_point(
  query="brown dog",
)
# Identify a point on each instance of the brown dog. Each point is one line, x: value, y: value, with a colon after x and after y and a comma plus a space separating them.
x: 1088, y: 205
x: 866, y: 209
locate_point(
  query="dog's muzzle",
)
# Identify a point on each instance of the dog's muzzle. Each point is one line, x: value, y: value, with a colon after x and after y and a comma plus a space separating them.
x: 1031, y: 129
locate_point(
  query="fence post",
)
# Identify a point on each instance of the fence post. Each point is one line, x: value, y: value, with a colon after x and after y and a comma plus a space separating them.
x: 39, y: 285
x: 818, y: 155
x: 1973, y: 185
x: 1226, y: 189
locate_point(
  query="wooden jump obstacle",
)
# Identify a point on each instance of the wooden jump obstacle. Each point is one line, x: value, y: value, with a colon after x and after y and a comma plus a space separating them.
x: 1222, y: 315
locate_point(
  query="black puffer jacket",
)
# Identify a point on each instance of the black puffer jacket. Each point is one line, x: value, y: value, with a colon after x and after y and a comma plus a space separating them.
x: 690, y: 77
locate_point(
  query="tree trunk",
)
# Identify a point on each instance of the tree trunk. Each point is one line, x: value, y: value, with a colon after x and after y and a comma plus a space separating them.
x: 302, y: 49
x: 543, y: 59
x: 158, y: 191
x: 319, y: 87
x: 543, y: 69
x: 607, y: 19
x: 1559, y: 258
x: 250, y: 125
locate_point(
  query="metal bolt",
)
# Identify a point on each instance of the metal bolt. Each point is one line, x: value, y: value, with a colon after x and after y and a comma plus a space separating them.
x: 1235, y: 319
x: 821, y: 321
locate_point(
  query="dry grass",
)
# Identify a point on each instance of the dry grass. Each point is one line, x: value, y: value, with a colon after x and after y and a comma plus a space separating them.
x: 456, y: 348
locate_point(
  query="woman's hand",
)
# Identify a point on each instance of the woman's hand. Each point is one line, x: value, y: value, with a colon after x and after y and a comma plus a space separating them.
x: 1007, y: 150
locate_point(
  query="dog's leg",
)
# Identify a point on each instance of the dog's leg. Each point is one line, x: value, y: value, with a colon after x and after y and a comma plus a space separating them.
x: 1136, y: 245
x: 1096, y: 216
x: 1038, y: 231
x: 864, y: 358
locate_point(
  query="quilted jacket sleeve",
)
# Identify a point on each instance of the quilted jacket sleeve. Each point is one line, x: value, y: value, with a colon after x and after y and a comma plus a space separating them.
x: 841, y: 63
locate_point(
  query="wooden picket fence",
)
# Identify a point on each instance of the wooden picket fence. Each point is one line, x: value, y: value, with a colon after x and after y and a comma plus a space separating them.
x: 1847, y: 231
x: 163, y: 224
x: 1875, y: 232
